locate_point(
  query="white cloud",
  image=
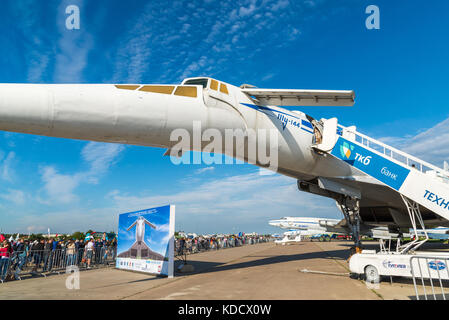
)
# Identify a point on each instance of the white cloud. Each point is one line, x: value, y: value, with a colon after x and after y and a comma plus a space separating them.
x: 247, y: 200
x: 73, y: 48
x: 7, y: 170
x: 36, y: 51
x: 281, y: 4
x: 100, y: 156
x: 431, y: 145
x: 67, y: 220
x: 203, y: 170
x: 15, y: 196
x: 60, y: 187
x: 268, y: 76
x: 224, y: 38
x: 246, y: 11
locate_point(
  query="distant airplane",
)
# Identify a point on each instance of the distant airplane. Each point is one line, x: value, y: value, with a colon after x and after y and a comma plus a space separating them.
x: 372, y: 183
x: 440, y: 233
x: 317, y: 226
x: 292, y: 236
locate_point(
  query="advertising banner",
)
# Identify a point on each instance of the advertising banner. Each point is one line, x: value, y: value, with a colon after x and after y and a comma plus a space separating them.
x: 146, y: 241
x: 379, y: 167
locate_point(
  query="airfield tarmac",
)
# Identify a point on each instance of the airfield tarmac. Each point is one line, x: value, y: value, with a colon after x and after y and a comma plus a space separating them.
x: 262, y: 271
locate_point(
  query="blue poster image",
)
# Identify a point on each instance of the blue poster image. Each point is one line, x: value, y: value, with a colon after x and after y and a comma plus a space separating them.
x: 145, y: 240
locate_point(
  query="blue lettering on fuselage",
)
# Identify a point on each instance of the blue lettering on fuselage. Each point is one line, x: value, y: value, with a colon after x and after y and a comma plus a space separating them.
x: 284, y: 118
x: 434, y: 198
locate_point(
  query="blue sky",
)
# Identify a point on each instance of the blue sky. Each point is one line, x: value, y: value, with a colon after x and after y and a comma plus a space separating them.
x: 399, y: 74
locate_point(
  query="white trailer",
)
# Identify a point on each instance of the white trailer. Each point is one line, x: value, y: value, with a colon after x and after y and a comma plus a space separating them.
x: 420, y: 264
x: 406, y: 260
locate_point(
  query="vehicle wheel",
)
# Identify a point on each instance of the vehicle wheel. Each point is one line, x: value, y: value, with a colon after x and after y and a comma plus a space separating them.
x: 371, y: 274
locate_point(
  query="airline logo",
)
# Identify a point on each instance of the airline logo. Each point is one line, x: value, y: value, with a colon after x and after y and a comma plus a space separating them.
x: 437, y: 265
x: 389, y: 264
x: 371, y: 163
x: 346, y: 150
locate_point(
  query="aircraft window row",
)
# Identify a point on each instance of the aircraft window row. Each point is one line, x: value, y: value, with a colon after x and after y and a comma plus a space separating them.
x: 180, y: 90
x: 214, y: 86
x: 126, y: 87
x: 186, y: 92
x: 158, y: 89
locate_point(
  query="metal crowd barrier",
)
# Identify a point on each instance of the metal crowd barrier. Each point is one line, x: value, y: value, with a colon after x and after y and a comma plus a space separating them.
x: 45, y: 262
x: 191, y: 247
x: 433, y: 271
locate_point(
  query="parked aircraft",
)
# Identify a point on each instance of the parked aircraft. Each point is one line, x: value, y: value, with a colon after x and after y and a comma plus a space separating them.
x: 331, y: 226
x: 372, y: 183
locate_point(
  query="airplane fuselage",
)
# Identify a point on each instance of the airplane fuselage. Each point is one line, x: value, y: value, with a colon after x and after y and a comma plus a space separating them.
x: 149, y: 115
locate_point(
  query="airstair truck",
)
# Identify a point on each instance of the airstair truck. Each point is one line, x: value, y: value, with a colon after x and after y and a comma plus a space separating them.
x: 419, y: 184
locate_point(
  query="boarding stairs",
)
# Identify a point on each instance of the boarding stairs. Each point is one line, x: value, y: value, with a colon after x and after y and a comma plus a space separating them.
x: 415, y: 179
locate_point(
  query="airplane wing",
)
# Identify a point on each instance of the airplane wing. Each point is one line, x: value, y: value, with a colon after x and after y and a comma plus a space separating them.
x: 293, y: 98
x: 150, y: 224
x: 131, y: 226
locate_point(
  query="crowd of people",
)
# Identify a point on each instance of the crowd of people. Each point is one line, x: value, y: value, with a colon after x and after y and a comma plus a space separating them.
x: 23, y: 256
x: 46, y: 255
x: 189, y: 245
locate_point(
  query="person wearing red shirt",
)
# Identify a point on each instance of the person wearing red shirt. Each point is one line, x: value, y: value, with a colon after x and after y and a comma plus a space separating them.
x: 5, y: 251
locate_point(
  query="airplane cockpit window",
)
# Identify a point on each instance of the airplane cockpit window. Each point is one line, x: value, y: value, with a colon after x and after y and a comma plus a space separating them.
x: 197, y: 82
x: 214, y: 85
x: 224, y: 89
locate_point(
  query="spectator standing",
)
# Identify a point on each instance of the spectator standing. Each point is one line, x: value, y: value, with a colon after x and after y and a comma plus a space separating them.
x: 71, y: 249
x: 182, y: 244
x: 5, y: 252
x: 90, y: 248
x: 80, y: 251
x: 48, y: 256
x: 38, y: 252
x: 22, y: 254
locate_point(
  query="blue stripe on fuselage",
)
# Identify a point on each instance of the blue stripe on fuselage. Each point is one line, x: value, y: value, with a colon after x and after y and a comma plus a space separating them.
x: 306, y: 130
x: 307, y: 124
x: 262, y: 109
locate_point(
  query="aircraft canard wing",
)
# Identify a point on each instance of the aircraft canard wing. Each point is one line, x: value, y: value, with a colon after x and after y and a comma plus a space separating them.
x: 297, y: 98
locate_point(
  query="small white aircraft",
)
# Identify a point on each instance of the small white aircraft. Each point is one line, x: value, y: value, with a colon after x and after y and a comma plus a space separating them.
x: 372, y: 183
x: 292, y: 236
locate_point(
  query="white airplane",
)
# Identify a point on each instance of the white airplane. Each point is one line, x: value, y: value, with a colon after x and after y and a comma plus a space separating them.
x: 304, y: 223
x: 371, y: 182
x: 294, y: 236
x: 316, y: 226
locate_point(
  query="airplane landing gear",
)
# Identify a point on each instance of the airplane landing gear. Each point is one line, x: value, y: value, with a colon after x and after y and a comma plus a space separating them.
x: 351, y: 208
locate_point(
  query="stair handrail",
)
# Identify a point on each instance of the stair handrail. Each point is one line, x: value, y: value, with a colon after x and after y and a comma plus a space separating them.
x: 409, y: 158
